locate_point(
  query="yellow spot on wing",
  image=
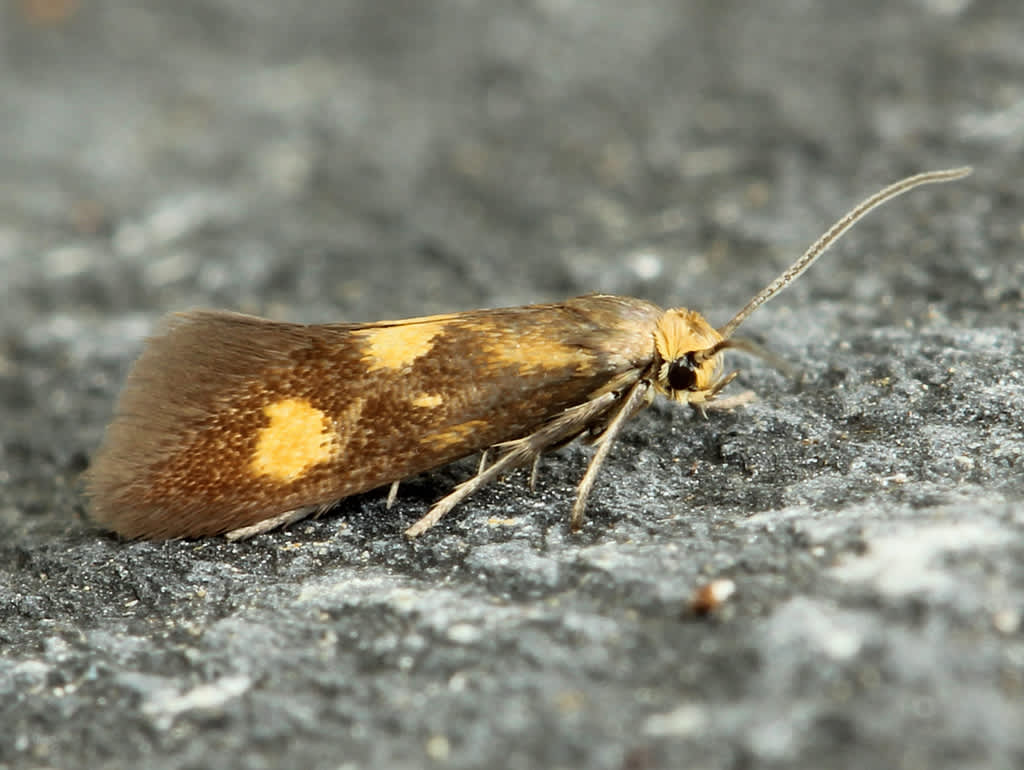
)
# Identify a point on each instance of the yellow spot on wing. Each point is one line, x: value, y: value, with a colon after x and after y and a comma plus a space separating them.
x: 428, y: 400
x: 298, y: 437
x: 397, y: 347
x: 532, y: 355
x: 453, y: 435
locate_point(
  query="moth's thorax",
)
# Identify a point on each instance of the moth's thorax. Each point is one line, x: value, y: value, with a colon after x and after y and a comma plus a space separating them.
x: 678, y: 334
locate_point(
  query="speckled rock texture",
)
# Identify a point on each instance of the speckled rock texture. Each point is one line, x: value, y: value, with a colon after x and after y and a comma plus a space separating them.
x: 369, y: 159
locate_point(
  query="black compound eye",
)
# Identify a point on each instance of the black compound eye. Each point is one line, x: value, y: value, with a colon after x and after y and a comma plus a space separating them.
x: 682, y: 374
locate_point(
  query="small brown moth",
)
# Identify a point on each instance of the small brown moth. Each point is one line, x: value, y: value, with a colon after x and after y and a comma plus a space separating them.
x: 235, y: 424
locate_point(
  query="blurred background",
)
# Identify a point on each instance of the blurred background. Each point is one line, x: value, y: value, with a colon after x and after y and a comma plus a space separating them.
x: 367, y: 159
x: 362, y: 159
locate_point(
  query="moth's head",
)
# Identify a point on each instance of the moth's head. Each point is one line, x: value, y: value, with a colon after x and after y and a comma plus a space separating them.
x: 690, y: 359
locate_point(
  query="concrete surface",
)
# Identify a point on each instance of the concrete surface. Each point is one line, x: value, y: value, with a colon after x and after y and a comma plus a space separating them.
x: 372, y: 159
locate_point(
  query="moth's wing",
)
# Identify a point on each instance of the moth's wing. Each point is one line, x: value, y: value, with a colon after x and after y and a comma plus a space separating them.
x: 226, y: 420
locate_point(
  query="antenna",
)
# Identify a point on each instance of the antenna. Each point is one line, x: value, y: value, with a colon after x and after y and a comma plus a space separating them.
x: 833, y: 234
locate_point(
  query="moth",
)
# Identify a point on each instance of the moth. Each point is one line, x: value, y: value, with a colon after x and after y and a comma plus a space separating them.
x: 231, y: 424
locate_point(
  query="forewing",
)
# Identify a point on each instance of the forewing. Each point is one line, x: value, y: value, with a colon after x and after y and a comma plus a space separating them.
x: 226, y: 419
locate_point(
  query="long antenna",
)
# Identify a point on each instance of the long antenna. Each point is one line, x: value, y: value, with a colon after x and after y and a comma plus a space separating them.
x: 822, y: 245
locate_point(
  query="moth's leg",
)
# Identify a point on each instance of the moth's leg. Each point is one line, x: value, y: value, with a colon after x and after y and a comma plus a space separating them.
x: 731, y: 402
x: 570, y: 423
x: 533, y: 472
x: 638, y: 397
x: 392, y: 495
x: 483, y: 462
x: 266, y: 525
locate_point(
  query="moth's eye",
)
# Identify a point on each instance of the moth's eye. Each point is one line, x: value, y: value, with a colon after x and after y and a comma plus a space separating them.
x: 682, y: 374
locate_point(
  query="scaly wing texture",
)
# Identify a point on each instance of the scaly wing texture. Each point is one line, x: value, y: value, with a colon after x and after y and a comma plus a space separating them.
x: 226, y: 420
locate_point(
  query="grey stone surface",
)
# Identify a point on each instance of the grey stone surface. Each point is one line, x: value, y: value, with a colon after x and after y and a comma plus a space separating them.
x: 365, y: 160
